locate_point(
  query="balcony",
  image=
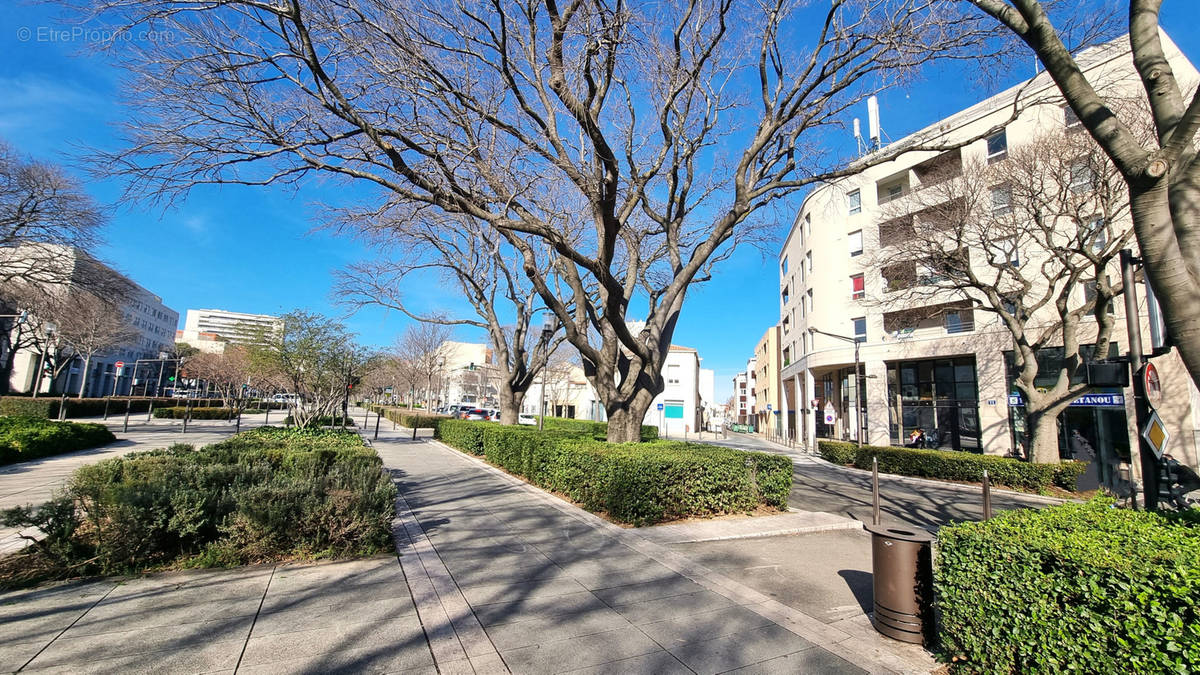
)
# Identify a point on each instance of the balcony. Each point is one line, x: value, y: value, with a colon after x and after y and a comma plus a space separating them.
x: 951, y: 318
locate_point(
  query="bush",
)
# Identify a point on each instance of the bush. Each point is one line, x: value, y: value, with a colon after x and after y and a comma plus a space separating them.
x: 323, y: 421
x: 262, y: 495
x: 1071, y: 588
x: 179, y: 412
x: 47, y: 407
x: 409, y: 418
x: 25, y: 438
x: 638, y: 483
x: 951, y: 465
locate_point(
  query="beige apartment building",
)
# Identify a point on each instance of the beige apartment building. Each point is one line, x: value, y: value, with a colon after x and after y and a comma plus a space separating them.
x: 771, y: 407
x: 946, y: 370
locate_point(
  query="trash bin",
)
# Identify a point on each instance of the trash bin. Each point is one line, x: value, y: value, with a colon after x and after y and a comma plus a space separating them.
x: 902, y: 566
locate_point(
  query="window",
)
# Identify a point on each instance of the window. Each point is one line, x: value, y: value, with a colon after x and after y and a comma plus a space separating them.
x: 1069, y: 117
x: 786, y: 325
x: 1001, y: 200
x: 997, y: 147
x: 856, y: 243
x: 787, y: 356
x: 811, y: 309
x: 959, y: 321
x: 804, y: 343
x: 785, y: 295
x: 857, y: 289
x: 673, y: 374
x: 855, y: 200
x: 1095, y: 234
x: 783, y: 267
x: 1081, y: 176
x: 860, y: 329
x: 807, y: 227
x: 808, y: 261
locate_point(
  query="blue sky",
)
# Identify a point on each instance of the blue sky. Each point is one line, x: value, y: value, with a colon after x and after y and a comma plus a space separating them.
x: 253, y: 249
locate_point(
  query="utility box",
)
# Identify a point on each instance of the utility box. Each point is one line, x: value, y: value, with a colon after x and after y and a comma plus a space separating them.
x: 902, y: 567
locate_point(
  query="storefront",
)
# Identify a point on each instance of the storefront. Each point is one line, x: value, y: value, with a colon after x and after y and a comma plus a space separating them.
x: 938, y: 399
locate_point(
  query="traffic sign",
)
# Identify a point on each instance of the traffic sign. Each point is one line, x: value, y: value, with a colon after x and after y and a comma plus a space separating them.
x: 660, y: 406
x: 120, y: 364
x: 1152, y: 384
x: 768, y: 407
x: 830, y: 413
x: 1156, y: 434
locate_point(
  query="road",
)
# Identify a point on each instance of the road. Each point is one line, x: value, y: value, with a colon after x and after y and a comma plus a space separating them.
x: 820, y: 486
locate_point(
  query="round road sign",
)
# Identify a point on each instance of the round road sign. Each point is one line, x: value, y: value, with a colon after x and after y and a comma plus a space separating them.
x: 1152, y: 385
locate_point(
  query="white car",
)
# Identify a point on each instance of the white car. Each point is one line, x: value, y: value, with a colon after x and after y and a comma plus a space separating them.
x: 526, y: 418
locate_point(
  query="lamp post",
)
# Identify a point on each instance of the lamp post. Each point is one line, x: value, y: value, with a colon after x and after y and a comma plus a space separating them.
x: 547, y: 332
x: 862, y: 418
x: 48, y: 329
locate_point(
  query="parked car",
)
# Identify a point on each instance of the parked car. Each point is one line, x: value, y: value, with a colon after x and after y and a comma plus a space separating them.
x: 526, y: 418
x: 476, y: 415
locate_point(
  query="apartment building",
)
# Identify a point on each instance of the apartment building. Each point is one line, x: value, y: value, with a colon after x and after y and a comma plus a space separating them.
x: 210, y: 329
x: 678, y: 410
x: 744, y: 410
x: 468, y: 375
x: 772, y: 414
x: 152, y: 331
x: 937, y: 362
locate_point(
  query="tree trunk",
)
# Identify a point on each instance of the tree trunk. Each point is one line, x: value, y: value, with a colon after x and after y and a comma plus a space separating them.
x: 83, y: 375
x: 1042, y: 437
x: 625, y: 418
x: 510, y: 404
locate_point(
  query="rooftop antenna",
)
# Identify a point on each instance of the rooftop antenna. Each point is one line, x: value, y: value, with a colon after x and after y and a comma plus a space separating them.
x: 862, y: 146
x: 873, y: 121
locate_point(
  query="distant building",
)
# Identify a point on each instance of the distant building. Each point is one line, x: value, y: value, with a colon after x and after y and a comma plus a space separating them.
x: 210, y: 329
x: 744, y: 409
x: 468, y: 374
x: 772, y: 413
x: 677, y: 410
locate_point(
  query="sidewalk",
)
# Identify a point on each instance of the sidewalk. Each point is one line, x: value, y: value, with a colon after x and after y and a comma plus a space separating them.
x: 505, y: 575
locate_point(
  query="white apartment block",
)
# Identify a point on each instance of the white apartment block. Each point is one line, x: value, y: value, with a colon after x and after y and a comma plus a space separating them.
x: 204, y: 328
x: 468, y: 374
x: 946, y: 371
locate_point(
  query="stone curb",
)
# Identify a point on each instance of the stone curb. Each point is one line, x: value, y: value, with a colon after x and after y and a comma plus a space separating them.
x: 853, y: 648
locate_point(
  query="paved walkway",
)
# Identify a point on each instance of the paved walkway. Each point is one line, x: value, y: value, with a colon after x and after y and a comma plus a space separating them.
x: 506, y: 576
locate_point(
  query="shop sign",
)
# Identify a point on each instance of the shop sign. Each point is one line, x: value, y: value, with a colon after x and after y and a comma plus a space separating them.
x: 1085, y: 400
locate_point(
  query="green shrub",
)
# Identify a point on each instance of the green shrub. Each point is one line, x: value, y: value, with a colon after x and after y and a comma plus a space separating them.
x: 179, y: 412
x: 324, y: 421
x: 951, y: 465
x: 262, y: 495
x: 47, y: 407
x: 25, y: 438
x: 1071, y: 588
x: 410, y: 419
x: 638, y: 483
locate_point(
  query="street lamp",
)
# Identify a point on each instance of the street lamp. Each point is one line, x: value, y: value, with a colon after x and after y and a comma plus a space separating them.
x: 547, y: 333
x: 862, y: 421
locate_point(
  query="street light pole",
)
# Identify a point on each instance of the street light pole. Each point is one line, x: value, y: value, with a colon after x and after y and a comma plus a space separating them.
x: 858, y: 381
x: 547, y: 332
x: 48, y: 329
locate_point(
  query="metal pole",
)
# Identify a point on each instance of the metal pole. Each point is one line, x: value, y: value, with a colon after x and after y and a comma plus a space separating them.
x: 858, y: 412
x: 987, y: 496
x: 37, y: 381
x: 106, y: 400
x: 62, y: 408
x: 150, y: 411
x: 377, y: 416
x: 128, y: 403
x: 1141, y: 409
x: 875, y: 491
x: 238, y: 425
x: 542, y: 397
x: 366, y: 416
x: 187, y: 414
x: 162, y: 363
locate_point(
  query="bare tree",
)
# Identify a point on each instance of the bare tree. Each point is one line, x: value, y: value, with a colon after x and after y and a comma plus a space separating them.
x: 229, y: 373
x: 89, y: 325
x: 482, y: 268
x: 1162, y: 172
x: 626, y: 148
x: 1029, y: 241
x: 420, y: 348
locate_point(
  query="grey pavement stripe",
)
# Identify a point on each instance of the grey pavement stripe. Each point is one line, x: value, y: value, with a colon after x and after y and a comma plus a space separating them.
x: 453, y: 631
x: 257, y: 612
x: 874, y: 659
x: 60, y: 633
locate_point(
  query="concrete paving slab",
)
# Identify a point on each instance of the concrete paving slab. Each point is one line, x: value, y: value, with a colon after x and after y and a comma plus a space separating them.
x: 676, y: 605
x: 511, y: 591
x: 579, y: 652
x: 727, y: 652
x: 649, y: 590
x: 532, y: 608
x: 507, y: 636
x: 210, y: 657
x: 806, y: 661
x: 658, y: 663
x: 376, y: 659
x: 402, y: 638
x: 749, y: 527
x: 700, y: 626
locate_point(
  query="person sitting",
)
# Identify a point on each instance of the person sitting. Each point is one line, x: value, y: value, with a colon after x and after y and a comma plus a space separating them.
x: 916, y: 439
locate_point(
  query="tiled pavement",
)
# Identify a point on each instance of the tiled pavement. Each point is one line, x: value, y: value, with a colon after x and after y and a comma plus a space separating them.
x: 550, y: 588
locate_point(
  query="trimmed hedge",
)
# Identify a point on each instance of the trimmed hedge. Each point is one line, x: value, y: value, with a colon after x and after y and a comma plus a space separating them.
x: 411, y: 419
x: 263, y: 495
x: 951, y: 465
x: 324, y: 421
x: 179, y: 412
x: 1071, y: 588
x: 47, y: 406
x: 638, y: 483
x: 25, y: 438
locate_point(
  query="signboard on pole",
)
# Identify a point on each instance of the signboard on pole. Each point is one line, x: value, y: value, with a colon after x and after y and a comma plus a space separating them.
x: 660, y: 406
x: 1156, y: 434
x: 830, y: 413
x: 1153, y: 385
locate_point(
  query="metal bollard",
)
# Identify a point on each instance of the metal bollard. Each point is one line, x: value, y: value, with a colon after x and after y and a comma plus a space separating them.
x: 366, y: 416
x: 150, y: 411
x: 377, y: 416
x: 987, y: 496
x: 187, y: 414
x: 106, y: 400
x: 62, y: 408
x: 128, y: 403
x: 238, y: 425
